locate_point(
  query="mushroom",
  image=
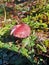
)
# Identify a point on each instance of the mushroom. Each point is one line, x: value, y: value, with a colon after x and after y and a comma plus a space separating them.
x: 21, y: 31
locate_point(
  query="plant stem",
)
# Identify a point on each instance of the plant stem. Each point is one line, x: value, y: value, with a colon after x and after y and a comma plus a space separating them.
x: 4, y: 14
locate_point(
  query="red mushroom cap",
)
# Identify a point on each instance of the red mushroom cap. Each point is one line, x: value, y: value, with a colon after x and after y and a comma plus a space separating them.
x: 21, y: 31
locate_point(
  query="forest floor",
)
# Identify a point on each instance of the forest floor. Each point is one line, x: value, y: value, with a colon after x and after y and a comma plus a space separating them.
x: 32, y: 50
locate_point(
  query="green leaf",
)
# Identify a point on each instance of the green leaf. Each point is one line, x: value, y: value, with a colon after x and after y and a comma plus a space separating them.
x: 14, y: 48
x: 24, y: 51
x: 6, y: 45
x: 26, y: 41
x: 43, y: 25
x: 1, y: 44
x: 43, y: 48
x: 46, y: 42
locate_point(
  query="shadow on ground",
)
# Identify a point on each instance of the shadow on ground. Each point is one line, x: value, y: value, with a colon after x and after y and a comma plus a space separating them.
x: 8, y: 57
x: 6, y: 38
